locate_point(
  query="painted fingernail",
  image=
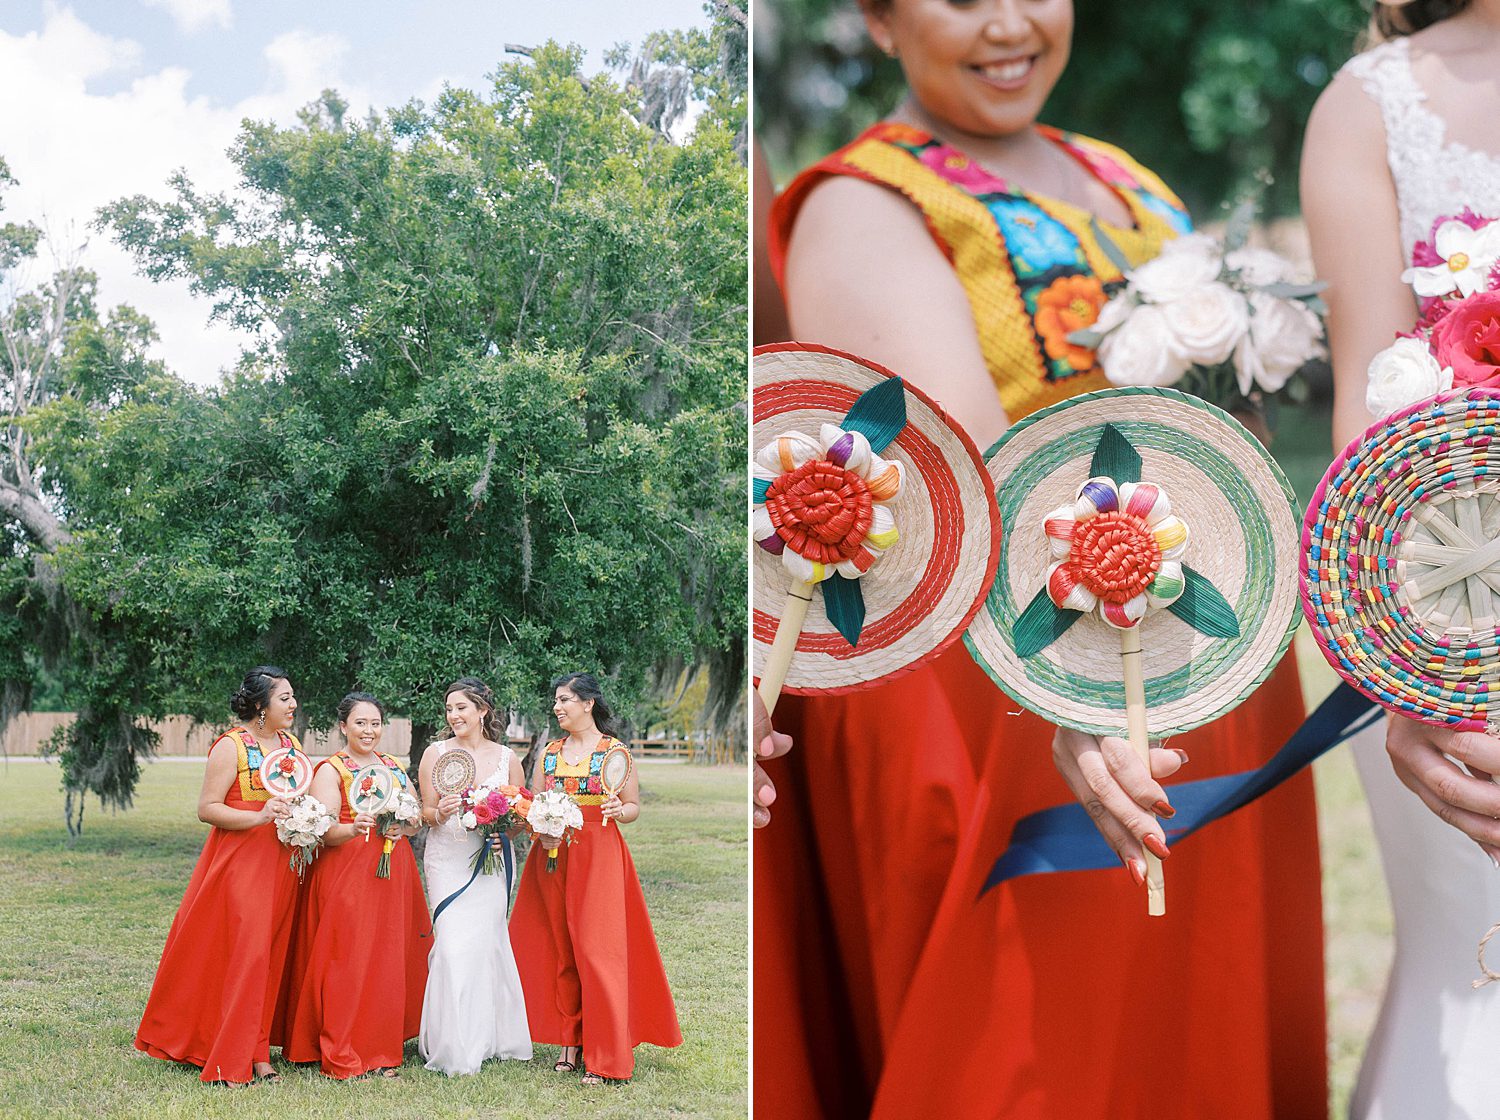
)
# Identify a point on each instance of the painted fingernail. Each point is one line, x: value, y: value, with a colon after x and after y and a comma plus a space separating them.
x: 1137, y: 871
x: 1181, y: 754
x: 766, y: 795
x: 1156, y: 847
x: 1162, y: 809
x: 765, y: 748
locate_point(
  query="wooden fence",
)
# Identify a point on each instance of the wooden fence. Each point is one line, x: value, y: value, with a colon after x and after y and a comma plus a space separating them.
x: 182, y: 737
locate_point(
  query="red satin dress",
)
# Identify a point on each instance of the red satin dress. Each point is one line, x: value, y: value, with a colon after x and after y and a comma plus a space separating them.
x: 359, y: 953
x: 885, y: 984
x: 214, y: 999
x: 589, y: 965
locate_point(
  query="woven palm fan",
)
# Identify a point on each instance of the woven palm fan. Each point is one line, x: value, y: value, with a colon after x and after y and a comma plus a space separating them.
x: 286, y: 772
x: 1144, y: 583
x: 1401, y: 562
x: 874, y: 521
x: 373, y: 790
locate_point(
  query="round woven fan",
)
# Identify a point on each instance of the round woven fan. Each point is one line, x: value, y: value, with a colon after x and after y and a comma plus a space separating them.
x: 453, y: 772
x: 930, y: 575
x: 1206, y: 651
x: 286, y: 772
x: 373, y: 789
x: 1401, y: 561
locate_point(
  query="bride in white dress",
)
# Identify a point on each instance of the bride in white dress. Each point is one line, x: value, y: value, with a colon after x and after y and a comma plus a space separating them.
x: 1409, y: 131
x: 473, y: 1008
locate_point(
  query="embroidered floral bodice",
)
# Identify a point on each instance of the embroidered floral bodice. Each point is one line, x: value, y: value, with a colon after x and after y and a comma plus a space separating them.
x: 1433, y: 177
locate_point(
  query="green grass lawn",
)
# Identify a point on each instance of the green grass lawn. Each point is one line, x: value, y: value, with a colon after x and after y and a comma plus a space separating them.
x: 81, y: 931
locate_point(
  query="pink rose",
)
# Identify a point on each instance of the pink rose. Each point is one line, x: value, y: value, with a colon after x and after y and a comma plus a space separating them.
x: 1468, y: 340
x: 483, y: 813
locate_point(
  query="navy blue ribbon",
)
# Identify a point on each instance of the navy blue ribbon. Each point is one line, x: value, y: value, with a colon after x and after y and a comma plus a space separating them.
x: 484, y: 854
x: 1063, y: 838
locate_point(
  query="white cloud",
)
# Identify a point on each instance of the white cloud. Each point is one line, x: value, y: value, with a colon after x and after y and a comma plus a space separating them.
x: 74, y: 151
x: 192, y: 16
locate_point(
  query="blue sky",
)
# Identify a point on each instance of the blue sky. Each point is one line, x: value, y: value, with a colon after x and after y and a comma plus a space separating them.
x: 119, y: 93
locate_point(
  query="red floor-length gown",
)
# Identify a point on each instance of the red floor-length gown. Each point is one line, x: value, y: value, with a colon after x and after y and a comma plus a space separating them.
x: 590, y: 969
x: 214, y: 999
x: 359, y: 954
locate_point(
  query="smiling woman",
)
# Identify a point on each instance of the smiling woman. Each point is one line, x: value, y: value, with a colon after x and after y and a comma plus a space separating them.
x: 957, y: 243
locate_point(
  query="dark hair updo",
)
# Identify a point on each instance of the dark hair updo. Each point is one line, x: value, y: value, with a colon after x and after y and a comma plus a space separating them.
x: 254, y: 694
x: 346, y: 705
x: 1395, y: 20
x: 586, y: 687
x: 481, y: 696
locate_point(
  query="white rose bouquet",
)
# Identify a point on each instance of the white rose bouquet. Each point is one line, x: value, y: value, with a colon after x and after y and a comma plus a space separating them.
x: 554, y: 817
x: 302, y: 830
x: 1217, y: 319
x: 406, y: 810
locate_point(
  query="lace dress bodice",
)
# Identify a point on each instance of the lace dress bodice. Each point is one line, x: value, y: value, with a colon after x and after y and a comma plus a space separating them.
x: 1434, y: 178
x: 450, y: 843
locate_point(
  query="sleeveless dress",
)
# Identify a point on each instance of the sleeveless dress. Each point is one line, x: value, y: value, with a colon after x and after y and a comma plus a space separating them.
x: 1433, y: 1052
x: 215, y: 998
x: 886, y: 984
x: 473, y: 1009
x: 359, y: 951
x: 589, y: 963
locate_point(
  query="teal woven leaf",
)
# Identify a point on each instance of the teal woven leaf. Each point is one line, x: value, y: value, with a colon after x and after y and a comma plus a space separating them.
x: 880, y: 413
x: 844, y: 604
x: 1111, y: 249
x: 1204, y: 609
x: 1040, y: 624
x: 759, y: 488
x: 1115, y: 458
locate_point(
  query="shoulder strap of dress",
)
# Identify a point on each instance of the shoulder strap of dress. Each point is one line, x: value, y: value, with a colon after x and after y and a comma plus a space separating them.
x: 1384, y: 72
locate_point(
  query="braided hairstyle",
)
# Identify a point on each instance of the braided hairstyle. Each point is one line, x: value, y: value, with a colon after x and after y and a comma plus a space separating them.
x: 586, y: 687
x: 483, y: 698
x: 254, y: 694
x: 1394, y: 19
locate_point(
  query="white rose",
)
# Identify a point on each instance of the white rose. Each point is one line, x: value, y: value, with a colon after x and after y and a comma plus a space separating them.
x: 1140, y: 351
x: 1284, y: 335
x: 1403, y: 373
x: 1258, y: 266
x: 1208, y: 324
x: 1184, y: 266
x: 469, y: 820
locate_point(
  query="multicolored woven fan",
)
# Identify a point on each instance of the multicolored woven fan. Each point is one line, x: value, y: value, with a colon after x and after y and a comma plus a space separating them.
x: 1401, y: 562
x: 864, y: 487
x: 286, y: 772
x: 1144, y: 583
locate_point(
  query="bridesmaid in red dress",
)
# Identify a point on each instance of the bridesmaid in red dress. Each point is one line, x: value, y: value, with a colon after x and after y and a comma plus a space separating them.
x: 359, y: 953
x: 590, y: 969
x: 215, y: 994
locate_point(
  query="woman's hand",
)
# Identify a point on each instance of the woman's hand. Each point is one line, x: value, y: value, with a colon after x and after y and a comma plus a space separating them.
x: 611, y: 808
x: 1469, y: 802
x: 1112, y: 784
x: 447, y: 805
x: 273, y: 810
x: 769, y: 743
x: 363, y: 823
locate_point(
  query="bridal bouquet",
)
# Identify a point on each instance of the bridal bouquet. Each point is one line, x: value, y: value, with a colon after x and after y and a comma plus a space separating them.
x: 405, y: 810
x: 554, y: 817
x: 1227, y: 322
x: 1456, y: 342
x: 492, y: 811
x: 302, y: 830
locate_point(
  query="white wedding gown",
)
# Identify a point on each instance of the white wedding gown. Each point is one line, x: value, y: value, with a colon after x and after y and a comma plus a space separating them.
x: 473, y: 1008
x: 1435, y: 1053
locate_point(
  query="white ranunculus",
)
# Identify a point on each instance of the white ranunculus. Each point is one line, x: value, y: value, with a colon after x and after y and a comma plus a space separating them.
x: 1259, y: 266
x: 1184, y: 266
x: 1284, y: 335
x: 1403, y: 373
x: 469, y: 820
x: 1140, y: 351
x: 1207, y: 325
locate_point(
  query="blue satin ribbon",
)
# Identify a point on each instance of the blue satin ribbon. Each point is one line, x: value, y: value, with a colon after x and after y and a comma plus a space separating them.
x: 1064, y: 838
x: 484, y: 852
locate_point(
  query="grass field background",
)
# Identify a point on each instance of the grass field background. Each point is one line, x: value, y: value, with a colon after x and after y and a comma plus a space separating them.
x: 81, y: 931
